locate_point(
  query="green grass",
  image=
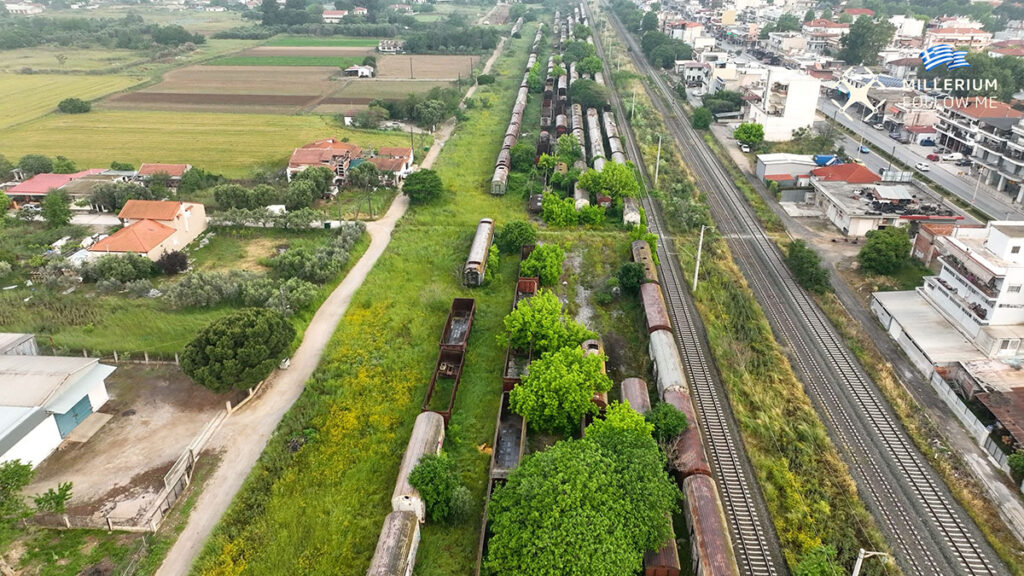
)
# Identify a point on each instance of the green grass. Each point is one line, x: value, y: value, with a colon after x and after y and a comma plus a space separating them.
x: 224, y: 143
x: 244, y: 248
x: 339, y: 61
x: 352, y: 42
x: 192, y: 20
x: 70, y: 552
x: 25, y: 97
x: 319, y: 511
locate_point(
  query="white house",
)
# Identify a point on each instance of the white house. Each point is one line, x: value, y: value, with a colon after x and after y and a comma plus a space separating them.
x: 788, y: 102
x: 153, y: 227
x: 44, y: 398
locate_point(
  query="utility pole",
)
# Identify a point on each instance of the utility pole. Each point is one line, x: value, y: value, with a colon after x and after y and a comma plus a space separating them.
x: 893, y: 155
x: 860, y: 559
x: 632, y: 107
x: 696, y: 269
x: 657, y: 163
x: 977, y: 184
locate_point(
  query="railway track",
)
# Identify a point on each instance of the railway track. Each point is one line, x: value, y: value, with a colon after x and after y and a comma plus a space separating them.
x: 756, y: 546
x: 927, y: 529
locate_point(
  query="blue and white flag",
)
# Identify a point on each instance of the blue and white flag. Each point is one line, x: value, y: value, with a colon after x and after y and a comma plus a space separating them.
x: 940, y: 54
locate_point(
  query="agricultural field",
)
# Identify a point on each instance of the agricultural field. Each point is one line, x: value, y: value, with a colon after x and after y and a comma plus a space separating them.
x: 363, y: 399
x: 26, y: 97
x: 339, y: 62
x: 425, y: 67
x: 339, y: 41
x: 78, y: 59
x: 200, y: 21
x: 229, y: 144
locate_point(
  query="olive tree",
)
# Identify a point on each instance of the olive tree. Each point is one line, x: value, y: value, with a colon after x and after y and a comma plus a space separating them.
x: 239, y: 350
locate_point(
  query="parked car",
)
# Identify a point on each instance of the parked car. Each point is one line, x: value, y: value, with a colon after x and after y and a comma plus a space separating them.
x: 927, y: 142
x: 922, y: 166
x: 933, y: 157
x: 744, y: 148
x: 879, y: 126
x: 965, y: 162
x: 953, y: 156
x: 858, y: 161
x: 865, y: 150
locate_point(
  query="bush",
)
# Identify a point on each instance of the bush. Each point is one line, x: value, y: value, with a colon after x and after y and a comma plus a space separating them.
x: 485, y: 79
x: 422, y: 186
x: 545, y: 262
x: 591, y: 215
x: 118, y: 267
x: 557, y: 391
x: 885, y: 251
x: 445, y: 497
x: 206, y: 289
x: 514, y: 235
x: 5, y: 269
x: 1016, y: 462
x: 701, y: 118
x: 806, y: 267
x: 630, y: 277
x: 54, y: 501
x: 171, y: 263
x: 239, y: 350
x: 539, y: 322
x: 138, y: 288
x: 319, y: 265
x: 560, y: 212
x: 668, y: 422
x: 74, y: 106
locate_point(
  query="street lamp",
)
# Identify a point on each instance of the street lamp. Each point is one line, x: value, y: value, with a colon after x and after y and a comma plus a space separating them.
x: 861, y: 556
x: 977, y: 184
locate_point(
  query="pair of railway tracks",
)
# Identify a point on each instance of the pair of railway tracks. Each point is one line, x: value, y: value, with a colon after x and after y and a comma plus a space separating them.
x: 753, y: 536
x: 928, y: 531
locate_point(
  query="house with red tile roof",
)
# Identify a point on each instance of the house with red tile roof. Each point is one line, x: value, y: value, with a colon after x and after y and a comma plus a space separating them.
x: 153, y: 227
x: 851, y: 173
x: 329, y: 152
x: 174, y: 171
x: 36, y: 187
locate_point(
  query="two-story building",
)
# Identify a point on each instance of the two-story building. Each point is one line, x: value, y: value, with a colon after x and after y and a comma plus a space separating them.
x: 969, y: 38
x: 153, y: 228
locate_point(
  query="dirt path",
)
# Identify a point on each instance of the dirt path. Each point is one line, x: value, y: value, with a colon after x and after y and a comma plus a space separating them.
x: 245, y: 434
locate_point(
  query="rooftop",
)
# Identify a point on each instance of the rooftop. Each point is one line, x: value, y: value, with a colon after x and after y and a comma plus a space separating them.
x: 920, y: 129
x: 149, y: 209
x: 876, y: 200
x: 1012, y: 228
x: 783, y: 157
x: 32, y: 381
x: 140, y: 237
x: 172, y: 170
x: 40, y: 184
x: 942, y: 31
x: 9, y: 340
x: 978, y: 107
x: 852, y: 173
x: 922, y: 323
x: 394, y: 151
x: 387, y: 164
x: 822, y: 23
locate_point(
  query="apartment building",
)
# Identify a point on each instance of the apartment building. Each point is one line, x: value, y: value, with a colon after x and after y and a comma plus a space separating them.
x: 992, y: 132
x: 787, y: 102
x: 969, y: 38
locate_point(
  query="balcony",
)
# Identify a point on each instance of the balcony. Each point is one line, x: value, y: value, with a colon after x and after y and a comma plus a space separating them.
x: 979, y: 312
x: 960, y: 122
x: 1018, y: 128
x: 986, y: 288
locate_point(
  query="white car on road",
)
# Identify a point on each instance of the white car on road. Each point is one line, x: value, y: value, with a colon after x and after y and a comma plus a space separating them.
x: 922, y: 166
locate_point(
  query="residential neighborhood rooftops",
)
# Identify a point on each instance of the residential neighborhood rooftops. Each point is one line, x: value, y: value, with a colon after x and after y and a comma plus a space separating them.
x: 394, y: 152
x: 31, y: 381
x: 150, y: 210
x: 920, y: 129
x: 940, y: 31
x: 40, y: 184
x: 172, y: 170
x: 822, y: 23
x: 984, y: 108
x: 781, y: 157
x: 852, y: 173
x: 140, y: 237
x: 904, y: 62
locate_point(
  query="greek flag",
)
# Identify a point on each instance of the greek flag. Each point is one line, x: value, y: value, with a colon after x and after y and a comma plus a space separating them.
x: 944, y: 54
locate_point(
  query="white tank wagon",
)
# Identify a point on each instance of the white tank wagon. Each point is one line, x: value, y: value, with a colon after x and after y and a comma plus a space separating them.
x: 574, y: 74
x: 668, y: 366
x: 427, y: 438
x: 599, y: 163
x: 396, y: 548
x: 596, y: 140
x: 615, y: 151
x: 499, y: 182
x: 473, y: 273
x: 630, y: 212
x: 599, y: 78
x: 581, y: 196
x: 516, y: 27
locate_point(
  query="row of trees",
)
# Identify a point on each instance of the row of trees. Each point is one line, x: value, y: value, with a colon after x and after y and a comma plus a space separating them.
x: 130, y: 32
x: 427, y: 109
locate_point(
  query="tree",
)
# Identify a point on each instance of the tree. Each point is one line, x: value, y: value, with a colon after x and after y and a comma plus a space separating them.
x: 299, y: 194
x: 587, y: 507
x: 238, y: 350
x: 615, y: 181
x: 806, y: 266
x: 430, y: 113
x: 649, y: 22
x: 749, y: 133
x: 576, y: 51
x: 447, y: 500
x: 174, y: 262
x: 364, y: 176
x: 788, y: 23
x: 701, y: 119
x: 5, y: 204
x: 885, y: 251
x: 557, y: 391
x: 567, y: 149
x: 865, y: 41
x: 485, y: 79
x: 589, y: 65
x: 122, y: 166
x: 588, y: 94
x: 32, y: 164
x: 321, y: 176
x: 630, y: 277
x: 74, y: 106
x: 558, y: 211
x: 14, y: 476
x: 668, y: 422
x: 514, y: 235
x: 1016, y: 462
x: 827, y: 14
x: 423, y: 186
x: 522, y: 156
x: 56, y: 208
x: 845, y: 19
x: 540, y: 323
x: 62, y: 165
x: 545, y: 262
x: 54, y: 501
x: 5, y: 168
x: 809, y: 15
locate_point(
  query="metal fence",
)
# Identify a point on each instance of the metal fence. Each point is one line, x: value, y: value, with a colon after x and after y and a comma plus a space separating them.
x: 978, y: 431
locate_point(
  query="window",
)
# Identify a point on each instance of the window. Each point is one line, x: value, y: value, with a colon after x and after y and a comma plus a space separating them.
x: 1015, y: 250
x: 1014, y: 288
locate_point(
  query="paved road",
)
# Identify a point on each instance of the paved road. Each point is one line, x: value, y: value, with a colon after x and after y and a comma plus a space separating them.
x: 996, y: 205
x: 245, y: 434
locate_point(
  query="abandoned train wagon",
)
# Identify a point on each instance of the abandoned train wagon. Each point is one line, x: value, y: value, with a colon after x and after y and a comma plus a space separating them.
x: 711, y: 546
x: 396, y: 548
x: 473, y: 273
x: 427, y: 438
x: 668, y: 365
x: 459, y: 324
x: 634, y: 391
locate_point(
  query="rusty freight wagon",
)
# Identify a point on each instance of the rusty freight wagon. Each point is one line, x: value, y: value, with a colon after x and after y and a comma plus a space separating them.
x: 447, y: 374
x: 634, y: 391
x: 655, y: 311
x: 642, y: 254
x: 459, y: 324
x: 473, y: 273
x: 712, y: 553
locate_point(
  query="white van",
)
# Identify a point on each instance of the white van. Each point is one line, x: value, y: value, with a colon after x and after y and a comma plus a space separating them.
x: 953, y: 157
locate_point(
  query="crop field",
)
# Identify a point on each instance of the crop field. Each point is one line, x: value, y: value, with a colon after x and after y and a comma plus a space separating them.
x: 230, y: 144
x: 78, y: 59
x: 27, y: 97
x: 192, y: 20
x: 319, y: 510
x: 332, y: 41
x: 299, y: 60
x: 424, y: 67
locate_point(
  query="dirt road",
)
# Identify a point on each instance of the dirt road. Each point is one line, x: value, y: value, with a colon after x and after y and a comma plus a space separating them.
x: 244, y: 434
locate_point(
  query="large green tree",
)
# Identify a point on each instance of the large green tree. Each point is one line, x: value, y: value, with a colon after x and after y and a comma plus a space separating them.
x: 788, y: 23
x: 32, y: 164
x: 749, y: 133
x: 615, y: 181
x: 701, y: 119
x: 514, y: 235
x: 806, y: 266
x: 885, y: 251
x: 649, y: 21
x: 557, y: 391
x: 545, y: 262
x: 56, y: 208
x: 539, y: 321
x: 865, y: 41
x: 438, y: 483
x: 587, y: 507
x: 238, y: 350
x: 422, y: 186
x: 588, y: 94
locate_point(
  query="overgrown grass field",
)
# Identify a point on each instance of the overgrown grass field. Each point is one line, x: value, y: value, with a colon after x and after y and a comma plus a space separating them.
x: 25, y: 97
x: 341, y: 41
x: 339, y: 61
x: 228, y: 144
x: 319, y: 510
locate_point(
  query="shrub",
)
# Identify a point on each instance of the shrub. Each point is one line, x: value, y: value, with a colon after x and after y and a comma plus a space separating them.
x: 239, y: 350
x: 511, y: 237
x: 435, y: 479
x: 205, y: 289
x: 485, y: 79
x: 14, y: 475
x: 119, y: 267
x: 539, y: 322
x: 1016, y: 462
x: 559, y: 212
x: 54, y: 501
x: 667, y: 420
x: 557, y: 391
x: 74, y: 106
x: 139, y: 288
x: 591, y: 215
x: 56, y: 208
x: 885, y: 251
x: 630, y: 277
x: 5, y: 269
x: 701, y: 119
x: 422, y: 186
x: 545, y: 262
x: 806, y: 267
x: 171, y: 263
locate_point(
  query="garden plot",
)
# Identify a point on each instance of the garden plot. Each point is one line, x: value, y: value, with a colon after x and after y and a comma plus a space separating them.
x: 423, y: 67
